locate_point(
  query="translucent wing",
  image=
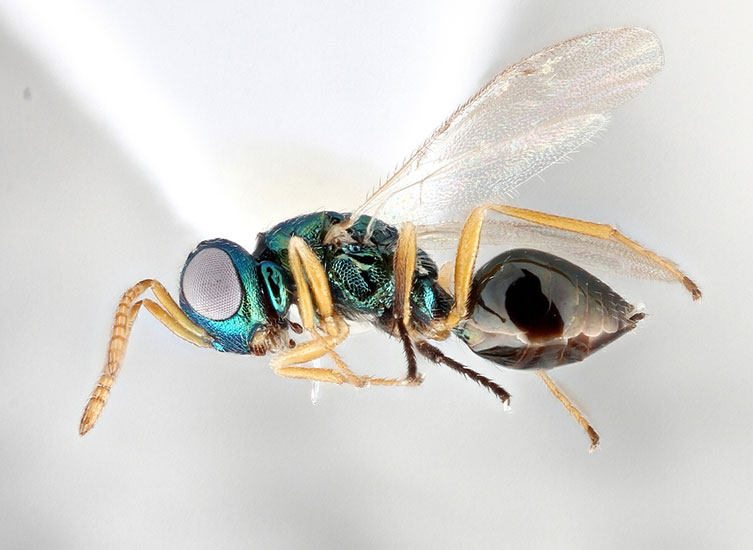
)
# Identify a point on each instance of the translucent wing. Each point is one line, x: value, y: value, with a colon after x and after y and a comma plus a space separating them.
x: 528, y: 117
x: 605, y: 255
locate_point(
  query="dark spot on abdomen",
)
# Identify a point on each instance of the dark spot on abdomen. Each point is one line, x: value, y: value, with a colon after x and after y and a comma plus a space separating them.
x: 531, y: 310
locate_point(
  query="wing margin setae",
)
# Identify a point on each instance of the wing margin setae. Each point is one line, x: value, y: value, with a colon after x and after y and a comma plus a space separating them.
x: 530, y: 116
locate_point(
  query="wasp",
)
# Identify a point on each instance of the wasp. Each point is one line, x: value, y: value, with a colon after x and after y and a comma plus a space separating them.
x: 524, y: 309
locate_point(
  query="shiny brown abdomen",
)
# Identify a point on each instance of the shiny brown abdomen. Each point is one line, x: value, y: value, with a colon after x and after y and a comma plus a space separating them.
x: 533, y: 310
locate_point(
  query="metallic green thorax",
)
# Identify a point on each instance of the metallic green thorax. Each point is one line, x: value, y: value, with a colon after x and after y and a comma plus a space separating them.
x: 360, y: 273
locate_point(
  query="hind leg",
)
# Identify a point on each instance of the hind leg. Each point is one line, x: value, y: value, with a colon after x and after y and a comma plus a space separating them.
x: 470, y: 239
x: 468, y: 252
x: 574, y: 412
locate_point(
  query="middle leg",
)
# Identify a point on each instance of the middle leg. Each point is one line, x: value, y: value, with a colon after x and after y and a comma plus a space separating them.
x: 404, y: 267
x: 312, y: 287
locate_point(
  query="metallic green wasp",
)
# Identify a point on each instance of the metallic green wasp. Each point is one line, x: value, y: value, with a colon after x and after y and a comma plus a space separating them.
x: 524, y: 309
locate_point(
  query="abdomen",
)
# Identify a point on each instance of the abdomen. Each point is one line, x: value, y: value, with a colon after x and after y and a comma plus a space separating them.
x: 531, y: 309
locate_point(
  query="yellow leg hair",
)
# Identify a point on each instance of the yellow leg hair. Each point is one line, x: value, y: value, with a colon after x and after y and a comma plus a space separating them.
x: 599, y: 231
x: 311, y: 373
x: 313, y: 287
x: 169, y: 314
x: 331, y: 376
x: 310, y: 277
x: 571, y: 409
x: 467, y: 254
x: 404, y: 268
x: 470, y: 239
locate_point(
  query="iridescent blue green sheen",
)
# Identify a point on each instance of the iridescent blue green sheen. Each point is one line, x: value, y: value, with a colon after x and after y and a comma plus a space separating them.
x: 235, y: 333
x: 360, y: 273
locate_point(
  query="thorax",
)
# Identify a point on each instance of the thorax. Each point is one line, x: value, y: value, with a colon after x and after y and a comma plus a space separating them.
x: 359, y: 269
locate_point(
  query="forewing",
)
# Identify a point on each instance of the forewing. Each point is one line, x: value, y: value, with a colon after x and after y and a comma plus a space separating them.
x: 527, y: 118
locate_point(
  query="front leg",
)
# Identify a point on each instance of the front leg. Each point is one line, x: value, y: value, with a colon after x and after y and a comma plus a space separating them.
x: 313, y: 288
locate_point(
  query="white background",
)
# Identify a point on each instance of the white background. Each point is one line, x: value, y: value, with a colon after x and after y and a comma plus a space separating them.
x: 132, y: 131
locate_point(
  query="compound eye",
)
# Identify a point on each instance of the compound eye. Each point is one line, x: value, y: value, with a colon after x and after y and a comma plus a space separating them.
x: 211, y: 285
